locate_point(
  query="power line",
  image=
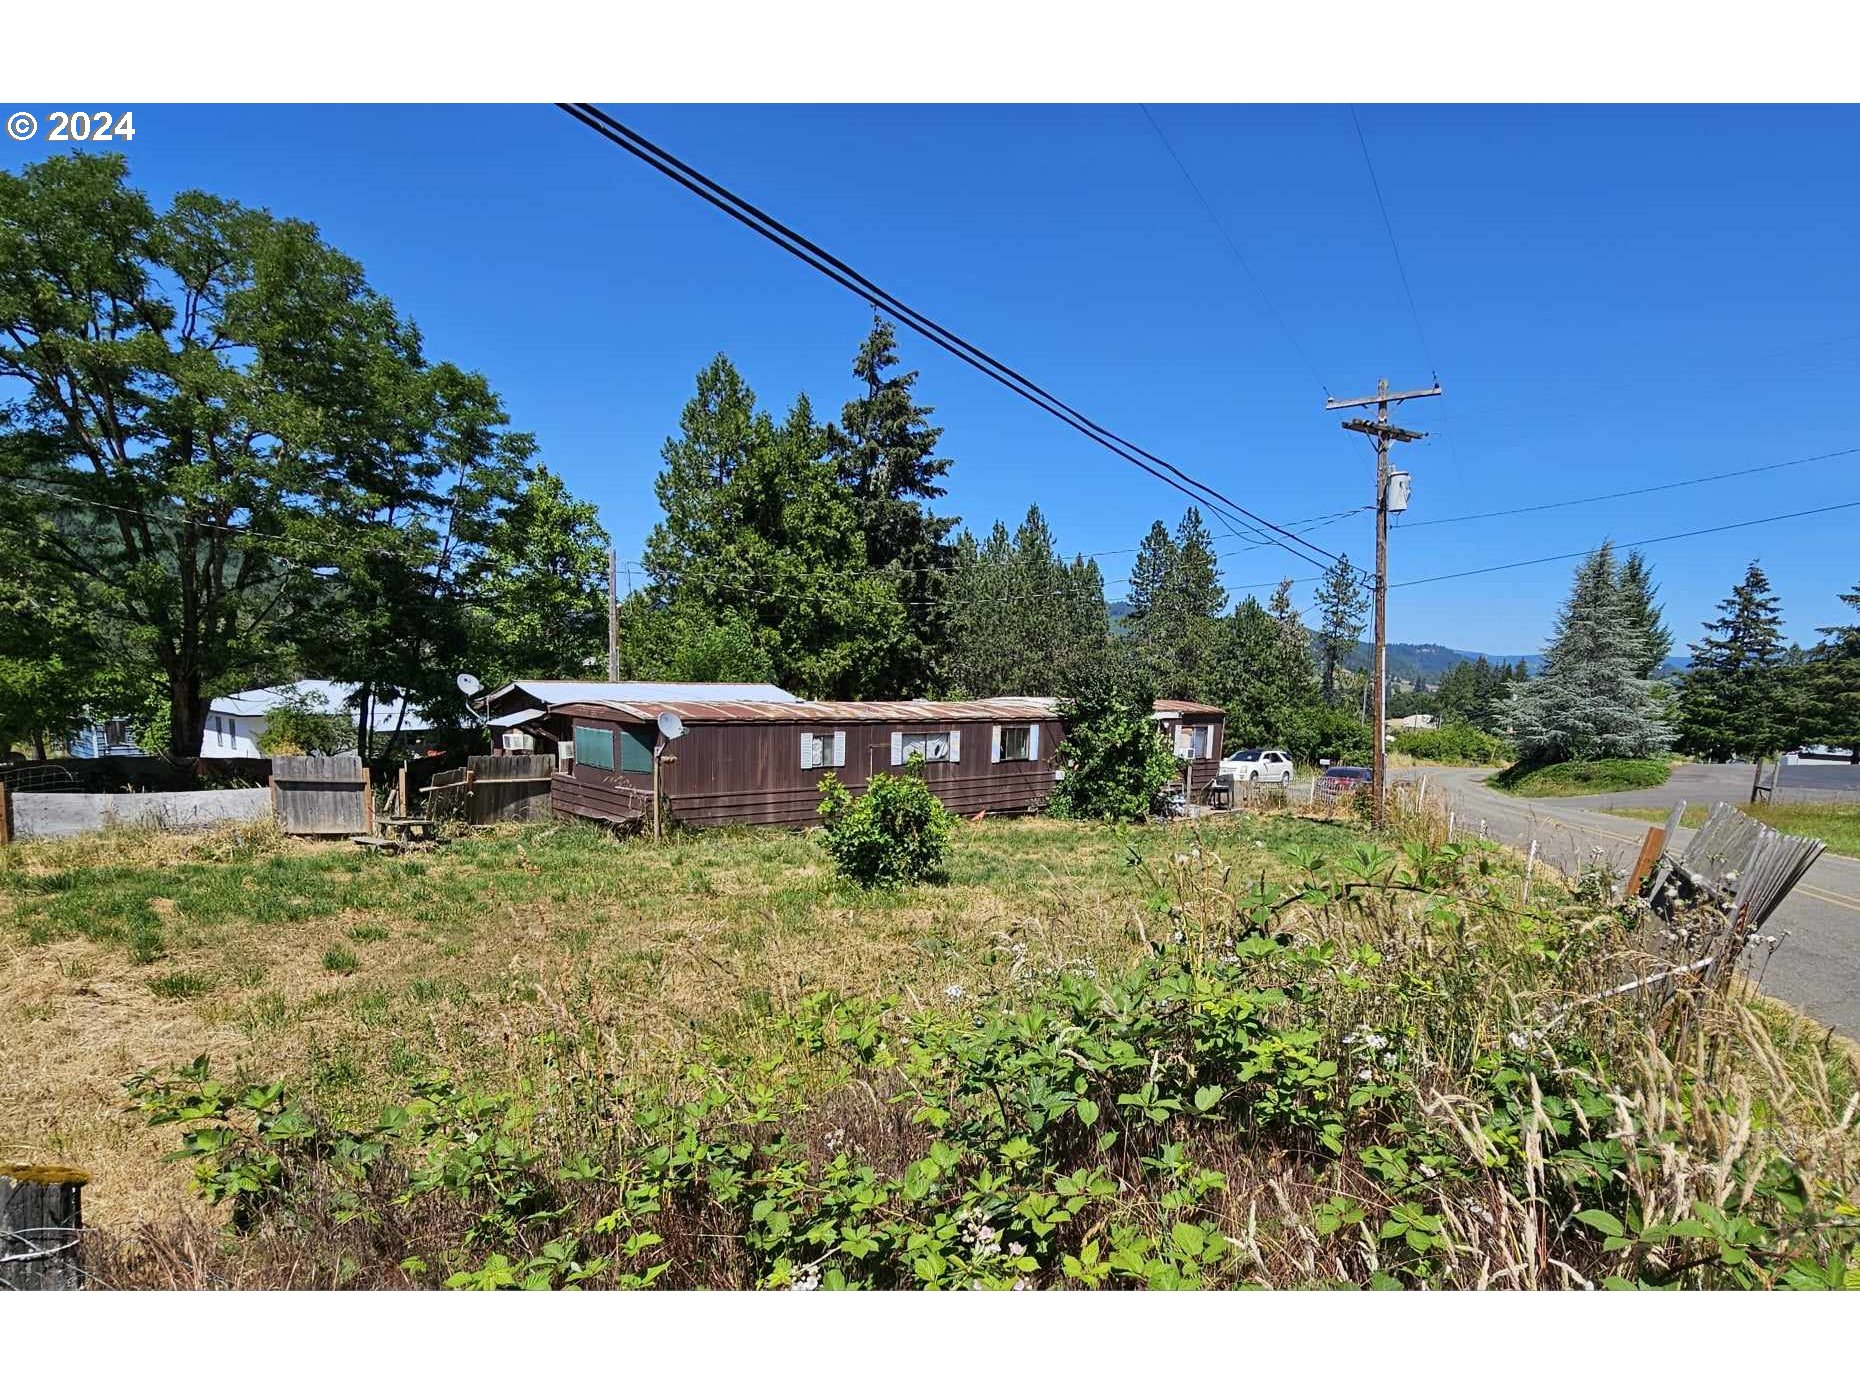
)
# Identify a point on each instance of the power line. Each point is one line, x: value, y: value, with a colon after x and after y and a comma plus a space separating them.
x: 800, y: 247
x: 1394, y: 246
x: 1630, y: 493
x: 1643, y: 542
x: 1233, y: 246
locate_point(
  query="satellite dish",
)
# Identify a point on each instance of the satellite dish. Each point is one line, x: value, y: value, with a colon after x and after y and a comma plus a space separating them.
x: 671, y: 727
x: 469, y: 685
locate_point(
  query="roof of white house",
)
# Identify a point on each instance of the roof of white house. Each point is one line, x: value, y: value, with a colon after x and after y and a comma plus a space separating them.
x: 551, y: 691
x: 257, y: 702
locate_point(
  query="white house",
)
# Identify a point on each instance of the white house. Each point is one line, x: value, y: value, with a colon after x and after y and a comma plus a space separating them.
x: 235, y: 722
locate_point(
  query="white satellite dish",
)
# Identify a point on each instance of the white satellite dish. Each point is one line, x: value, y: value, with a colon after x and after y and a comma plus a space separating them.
x: 469, y: 685
x: 671, y: 726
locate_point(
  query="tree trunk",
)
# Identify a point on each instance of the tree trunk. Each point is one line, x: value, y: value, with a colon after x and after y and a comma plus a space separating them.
x: 38, y: 744
x: 187, y: 718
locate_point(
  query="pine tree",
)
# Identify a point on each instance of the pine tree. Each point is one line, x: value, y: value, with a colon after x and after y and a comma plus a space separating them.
x: 1294, y: 646
x: 1638, y: 594
x: 1831, y: 683
x: 759, y: 530
x: 1589, y: 701
x: 1731, y: 697
x: 1151, y: 574
x: 1342, y: 609
x: 884, y: 454
x: 1252, y: 680
x: 1176, y: 599
x: 1022, y: 618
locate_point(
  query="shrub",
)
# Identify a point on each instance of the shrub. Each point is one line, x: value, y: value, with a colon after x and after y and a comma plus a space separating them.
x: 1115, y: 760
x: 1455, y: 743
x: 1317, y: 732
x: 894, y: 834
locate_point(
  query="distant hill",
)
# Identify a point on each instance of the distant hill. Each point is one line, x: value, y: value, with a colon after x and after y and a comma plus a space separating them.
x: 1428, y: 663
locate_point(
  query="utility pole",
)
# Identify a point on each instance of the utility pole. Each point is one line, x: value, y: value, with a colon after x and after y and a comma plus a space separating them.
x: 1382, y: 432
x: 613, y: 616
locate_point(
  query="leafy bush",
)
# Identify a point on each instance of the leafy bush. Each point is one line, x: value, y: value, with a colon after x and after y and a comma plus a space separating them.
x: 1115, y: 760
x: 1582, y: 777
x: 894, y: 834
x: 302, y: 725
x: 1454, y: 744
x: 1319, y: 732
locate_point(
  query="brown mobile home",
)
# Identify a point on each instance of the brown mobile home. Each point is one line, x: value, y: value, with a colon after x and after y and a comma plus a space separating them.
x: 1195, y: 735
x: 762, y: 762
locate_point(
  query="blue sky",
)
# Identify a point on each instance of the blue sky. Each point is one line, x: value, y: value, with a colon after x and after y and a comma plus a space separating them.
x: 1613, y: 298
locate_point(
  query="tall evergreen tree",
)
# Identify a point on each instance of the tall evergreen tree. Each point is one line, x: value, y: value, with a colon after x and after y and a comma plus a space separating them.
x: 1294, y: 645
x: 1342, y: 611
x: 1176, y: 599
x: 884, y: 454
x: 1732, y: 697
x: 759, y: 530
x: 1638, y: 596
x: 1831, y: 683
x: 1022, y: 618
x: 1590, y: 700
x: 1252, y: 680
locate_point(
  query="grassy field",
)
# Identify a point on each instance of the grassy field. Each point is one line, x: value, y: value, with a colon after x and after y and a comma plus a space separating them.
x: 1249, y: 1050
x: 1837, y: 825
x: 1581, y: 777
x: 357, y: 975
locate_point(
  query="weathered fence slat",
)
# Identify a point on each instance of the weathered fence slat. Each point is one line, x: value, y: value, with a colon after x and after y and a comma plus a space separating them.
x: 322, y: 794
x: 41, y: 1223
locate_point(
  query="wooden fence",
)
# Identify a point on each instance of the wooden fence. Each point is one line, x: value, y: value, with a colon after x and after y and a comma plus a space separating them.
x: 322, y: 794
x: 493, y: 789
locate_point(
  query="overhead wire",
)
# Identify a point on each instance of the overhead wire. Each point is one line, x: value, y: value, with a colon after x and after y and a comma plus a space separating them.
x: 1233, y: 246
x: 1641, y: 542
x: 1630, y: 493
x: 1401, y: 266
x: 812, y: 254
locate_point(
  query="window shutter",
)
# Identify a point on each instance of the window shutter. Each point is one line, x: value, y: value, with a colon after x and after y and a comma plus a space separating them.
x: 839, y: 748
x: 897, y: 748
x: 995, y: 759
x: 807, y: 750
x: 1033, y: 742
x: 955, y: 746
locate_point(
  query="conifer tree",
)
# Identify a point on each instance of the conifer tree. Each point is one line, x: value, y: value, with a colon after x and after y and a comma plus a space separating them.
x: 1590, y: 700
x: 759, y: 536
x: 884, y: 454
x: 1638, y: 594
x: 1831, y: 683
x: 1732, y: 697
x: 1342, y: 610
x: 1294, y: 645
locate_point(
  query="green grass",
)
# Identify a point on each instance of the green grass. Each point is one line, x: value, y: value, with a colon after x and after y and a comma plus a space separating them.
x: 1837, y: 825
x: 1582, y: 777
x: 181, y: 985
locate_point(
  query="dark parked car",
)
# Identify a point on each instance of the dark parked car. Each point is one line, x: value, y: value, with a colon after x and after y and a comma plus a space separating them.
x: 1343, y: 780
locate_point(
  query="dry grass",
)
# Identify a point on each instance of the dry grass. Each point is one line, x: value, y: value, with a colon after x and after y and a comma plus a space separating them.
x: 133, y: 950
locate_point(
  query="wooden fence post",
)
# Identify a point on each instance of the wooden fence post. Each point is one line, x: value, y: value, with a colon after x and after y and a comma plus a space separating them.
x: 368, y: 800
x: 405, y: 810
x: 40, y: 1223
x: 6, y: 813
x: 1530, y: 866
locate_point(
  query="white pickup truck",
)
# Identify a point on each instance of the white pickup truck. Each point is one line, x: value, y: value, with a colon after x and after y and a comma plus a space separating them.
x: 1258, y: 767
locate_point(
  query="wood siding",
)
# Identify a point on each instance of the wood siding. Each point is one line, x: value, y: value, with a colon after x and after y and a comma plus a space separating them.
x: 751, y: 773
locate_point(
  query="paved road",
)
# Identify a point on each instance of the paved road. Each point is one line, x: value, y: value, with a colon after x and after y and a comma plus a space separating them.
x: 1817, y: 968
